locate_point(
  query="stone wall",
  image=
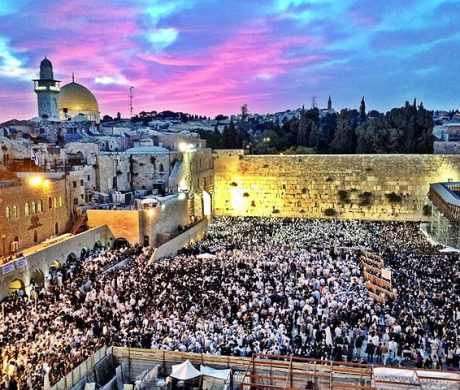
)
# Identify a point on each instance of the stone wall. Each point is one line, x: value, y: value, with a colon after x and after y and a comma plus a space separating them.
x: 40, y: 258
x: 127, y: 224
x: 383, y: 187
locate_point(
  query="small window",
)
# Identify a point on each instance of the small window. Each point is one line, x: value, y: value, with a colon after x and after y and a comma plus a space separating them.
x: 81, y: 182
x: 33, y: 209
x: 74, y: 184
x: 7, y: 213
x: 55, y: 204
x: 56, y: 228
x: 75, y: 201
x: 35, y: 236
x: 89, y: 178
x: 27, y: 209
x: 15, y: 211
x: 60, y: 200
x: 40, y: 206
x: 161, y: 168
x: 50, y: 203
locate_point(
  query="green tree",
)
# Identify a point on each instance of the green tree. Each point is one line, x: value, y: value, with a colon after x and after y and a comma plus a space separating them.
x: 313, y: 139
x: 362, y: 111
x: 302, y: 136
x: 343, y: 141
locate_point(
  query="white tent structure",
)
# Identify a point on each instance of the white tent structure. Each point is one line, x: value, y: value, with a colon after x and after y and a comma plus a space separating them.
x: 217, y: 374
x: 215, y: 379
x: 184, y: 371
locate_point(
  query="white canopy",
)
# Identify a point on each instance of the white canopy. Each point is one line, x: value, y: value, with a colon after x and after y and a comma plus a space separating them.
x: 206, y: 256
x: 212, y: 372
x: 184, y: 371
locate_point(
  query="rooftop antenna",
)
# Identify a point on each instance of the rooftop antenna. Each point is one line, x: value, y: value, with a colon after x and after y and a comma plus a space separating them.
x: 131, y: 97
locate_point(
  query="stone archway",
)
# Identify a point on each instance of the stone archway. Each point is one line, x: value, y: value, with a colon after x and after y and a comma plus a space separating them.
x: 120, y: 242
x: 84, y: 253
x: 71, y: 258
x: 37, y: 278
x: 55, y: 265
x: 16, y: 285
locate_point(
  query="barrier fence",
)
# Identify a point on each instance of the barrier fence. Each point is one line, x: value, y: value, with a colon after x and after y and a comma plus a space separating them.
x: 271, y: 372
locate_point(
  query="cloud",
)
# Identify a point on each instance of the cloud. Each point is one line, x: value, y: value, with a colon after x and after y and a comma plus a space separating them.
x: 105, y: 80
x: 11, y: 65
x: 162, y: 38
x: 161, y: 9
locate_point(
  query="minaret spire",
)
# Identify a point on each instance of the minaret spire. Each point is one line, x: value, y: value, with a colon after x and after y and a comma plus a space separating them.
x: 73, y: 77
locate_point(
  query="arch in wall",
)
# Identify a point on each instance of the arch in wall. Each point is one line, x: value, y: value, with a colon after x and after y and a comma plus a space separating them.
x: 16, y: 285
x: 71, y: 258
x: 97, y: 245
x: 84, y: 252
x: 120, y: 242
x: 38, y: 278
x: 55, y: 265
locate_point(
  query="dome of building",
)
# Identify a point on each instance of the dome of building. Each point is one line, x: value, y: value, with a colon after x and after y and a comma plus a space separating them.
x: 46, y: 63
x: 76, y: 97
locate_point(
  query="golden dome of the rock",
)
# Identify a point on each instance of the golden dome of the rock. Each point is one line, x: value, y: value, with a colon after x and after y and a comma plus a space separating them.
x: 75, y: 97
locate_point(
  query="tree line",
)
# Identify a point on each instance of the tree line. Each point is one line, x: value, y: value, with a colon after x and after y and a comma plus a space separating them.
x: 407, y: 129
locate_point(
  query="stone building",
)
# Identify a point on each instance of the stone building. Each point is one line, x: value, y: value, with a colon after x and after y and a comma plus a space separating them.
x: 32, y: 210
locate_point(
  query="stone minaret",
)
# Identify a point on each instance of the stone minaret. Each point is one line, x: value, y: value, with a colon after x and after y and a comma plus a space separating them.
x: 47, y: 90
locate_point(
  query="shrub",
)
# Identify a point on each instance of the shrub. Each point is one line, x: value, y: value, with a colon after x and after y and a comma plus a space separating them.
x: 394, y: 197
x: 365, y: 198
x: 344, y: 196
x: 275, y: 211
x: 304, y: 190
x: 246, y: 194
x: 427, y: 210
x: 329, y: 179
x: 233, y: 184
x: 119, y: 172
x: 330, y: 212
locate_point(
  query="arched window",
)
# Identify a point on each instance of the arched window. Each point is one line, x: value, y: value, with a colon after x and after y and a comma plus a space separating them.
x: 56, y: 228
x: 40, y: 206
x: 33, y: 208
x: 7, y: 213
x: 50, y: 203
x: 27, y: 209
x: 55, y: 202
x: 60, y: 200
x: 35, y: 236
x: 15, y: 211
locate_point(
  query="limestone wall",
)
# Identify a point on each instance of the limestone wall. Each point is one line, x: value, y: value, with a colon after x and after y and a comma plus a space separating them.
x: 352, y: 186
x: 125, y: 224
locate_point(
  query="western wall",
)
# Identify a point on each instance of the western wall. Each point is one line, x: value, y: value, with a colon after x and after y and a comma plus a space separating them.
x: 372, y: 187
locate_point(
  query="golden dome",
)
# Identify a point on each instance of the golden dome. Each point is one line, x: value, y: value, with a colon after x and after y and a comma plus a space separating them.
x: 76, y: 97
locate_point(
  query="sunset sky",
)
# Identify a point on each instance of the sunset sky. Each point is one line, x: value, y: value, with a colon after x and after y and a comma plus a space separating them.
x: 211, y: 56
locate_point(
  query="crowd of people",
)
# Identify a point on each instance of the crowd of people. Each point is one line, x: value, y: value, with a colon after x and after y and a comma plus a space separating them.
x: 274, y: 286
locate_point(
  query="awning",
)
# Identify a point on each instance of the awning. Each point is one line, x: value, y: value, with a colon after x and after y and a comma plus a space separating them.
x: 218, y: 374
x: 184, y: 371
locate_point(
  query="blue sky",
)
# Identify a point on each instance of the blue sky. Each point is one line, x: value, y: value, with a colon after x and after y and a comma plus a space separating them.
x: 210, y: 57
